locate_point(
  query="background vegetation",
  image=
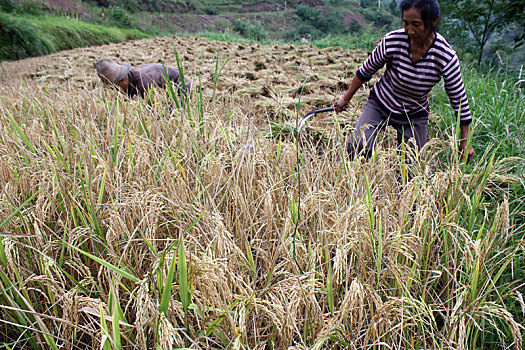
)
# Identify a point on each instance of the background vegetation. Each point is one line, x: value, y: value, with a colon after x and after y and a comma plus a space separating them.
x: 25, y: 36
x: 272, y: 21
x: 489, y: 32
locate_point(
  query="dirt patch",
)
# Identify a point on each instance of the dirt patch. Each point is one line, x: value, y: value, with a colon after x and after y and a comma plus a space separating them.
x: 350, y: 17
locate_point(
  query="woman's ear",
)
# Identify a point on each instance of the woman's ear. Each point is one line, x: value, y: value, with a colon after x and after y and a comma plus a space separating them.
x: 435, y: 23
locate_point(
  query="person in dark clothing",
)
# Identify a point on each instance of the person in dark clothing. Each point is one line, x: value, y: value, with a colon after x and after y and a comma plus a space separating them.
x: 137, y: 81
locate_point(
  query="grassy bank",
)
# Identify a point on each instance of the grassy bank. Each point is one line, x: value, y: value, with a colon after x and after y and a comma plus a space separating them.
x: 27, y: 36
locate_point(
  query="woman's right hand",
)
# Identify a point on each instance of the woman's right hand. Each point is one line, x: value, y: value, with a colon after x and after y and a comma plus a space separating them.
x: 340, y: 105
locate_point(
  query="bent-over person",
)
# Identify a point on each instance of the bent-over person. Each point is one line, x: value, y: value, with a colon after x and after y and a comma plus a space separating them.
x: 136, y: 81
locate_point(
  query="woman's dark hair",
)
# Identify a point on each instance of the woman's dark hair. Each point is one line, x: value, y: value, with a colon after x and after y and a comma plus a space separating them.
x: 429, y: 9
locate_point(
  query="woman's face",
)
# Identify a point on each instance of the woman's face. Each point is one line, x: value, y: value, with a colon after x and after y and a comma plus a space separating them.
x: 415, y: 27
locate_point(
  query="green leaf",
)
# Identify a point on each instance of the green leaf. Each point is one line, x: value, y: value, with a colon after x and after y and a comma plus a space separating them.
x: 113, y: 268
x: 184, y: 292
x: 166, y: 292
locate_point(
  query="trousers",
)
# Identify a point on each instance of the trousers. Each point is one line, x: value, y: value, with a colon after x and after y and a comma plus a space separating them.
x: 375, y: 119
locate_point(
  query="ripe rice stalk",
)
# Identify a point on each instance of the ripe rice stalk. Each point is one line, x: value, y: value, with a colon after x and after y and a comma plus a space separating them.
x: 15, y: 213
x: 388, y: 259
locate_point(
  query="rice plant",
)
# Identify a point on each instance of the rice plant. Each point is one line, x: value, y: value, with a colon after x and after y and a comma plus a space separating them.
x: 141, y: 224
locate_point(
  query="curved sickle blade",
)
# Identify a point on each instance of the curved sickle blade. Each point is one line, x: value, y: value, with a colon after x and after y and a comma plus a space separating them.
x: 311, y: 113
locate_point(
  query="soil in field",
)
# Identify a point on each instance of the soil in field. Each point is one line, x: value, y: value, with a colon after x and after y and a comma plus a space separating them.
x: 269, y: 81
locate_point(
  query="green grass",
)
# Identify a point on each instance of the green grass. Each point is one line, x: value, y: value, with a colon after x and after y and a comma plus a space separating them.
x: 496, y: 100
x: 498, y: 109
x: 362, y: 41
x: 24, y: 36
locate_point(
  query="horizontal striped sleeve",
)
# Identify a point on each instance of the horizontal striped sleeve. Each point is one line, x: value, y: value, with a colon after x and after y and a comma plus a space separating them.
x: 373, y: 63
x: 404, y: 86
x: 455, y: 90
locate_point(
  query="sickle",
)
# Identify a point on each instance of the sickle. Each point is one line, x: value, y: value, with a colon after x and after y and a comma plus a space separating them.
x: 309, y: 114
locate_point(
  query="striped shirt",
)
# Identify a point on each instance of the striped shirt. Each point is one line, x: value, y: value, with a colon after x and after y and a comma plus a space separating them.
x: 404, y: 86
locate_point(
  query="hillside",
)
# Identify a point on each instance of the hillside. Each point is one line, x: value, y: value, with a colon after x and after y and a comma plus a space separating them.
x: 276, y: 18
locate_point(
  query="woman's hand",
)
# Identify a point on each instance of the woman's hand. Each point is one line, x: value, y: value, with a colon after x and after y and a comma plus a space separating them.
x: 463, y: 143
x: 462, y: 153
x: 340, y: 105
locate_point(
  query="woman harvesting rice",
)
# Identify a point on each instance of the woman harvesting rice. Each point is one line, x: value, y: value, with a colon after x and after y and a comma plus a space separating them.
x: 416, y: 58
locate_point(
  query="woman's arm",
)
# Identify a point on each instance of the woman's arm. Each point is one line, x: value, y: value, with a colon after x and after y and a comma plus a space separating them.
x: 455, y: 89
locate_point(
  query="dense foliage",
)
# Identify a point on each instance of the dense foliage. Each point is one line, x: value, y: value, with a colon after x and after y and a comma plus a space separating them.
x: 23, y: 36
x: 480, y: 20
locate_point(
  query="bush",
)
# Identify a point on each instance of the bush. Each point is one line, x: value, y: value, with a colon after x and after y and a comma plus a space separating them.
x: 119, y: 17
x: 313, y: 24
x: 368, y: 3
x: 7, y: 5
x: 303, y: 30
x: 381, y: 18
x: 130, y: 5
x: 308, y: 14
x: 254, y: 31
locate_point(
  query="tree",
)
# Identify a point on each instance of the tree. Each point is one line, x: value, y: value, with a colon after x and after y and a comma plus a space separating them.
x: 515, y: 13
x: 482, y: 18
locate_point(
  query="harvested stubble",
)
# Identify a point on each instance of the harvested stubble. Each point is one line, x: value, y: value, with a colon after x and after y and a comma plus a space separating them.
x: 352, y: 255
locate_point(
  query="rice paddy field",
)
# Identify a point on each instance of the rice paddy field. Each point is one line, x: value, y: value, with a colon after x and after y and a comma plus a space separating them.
x: 144, y: 224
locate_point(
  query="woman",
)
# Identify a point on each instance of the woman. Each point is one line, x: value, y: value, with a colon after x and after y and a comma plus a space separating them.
x: 416, y: 58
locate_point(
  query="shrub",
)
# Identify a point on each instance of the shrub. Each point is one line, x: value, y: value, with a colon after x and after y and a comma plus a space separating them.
x: 119, y: 16
x: 130, y: 5
x: 368, y: 3
x: 314, y: 24
x: 308, y: 14
x: 254, y: 31
x: 7, y: 5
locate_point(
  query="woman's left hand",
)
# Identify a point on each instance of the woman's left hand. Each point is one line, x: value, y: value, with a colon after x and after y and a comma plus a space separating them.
x: 462, y: 147
x: 463, y: 143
